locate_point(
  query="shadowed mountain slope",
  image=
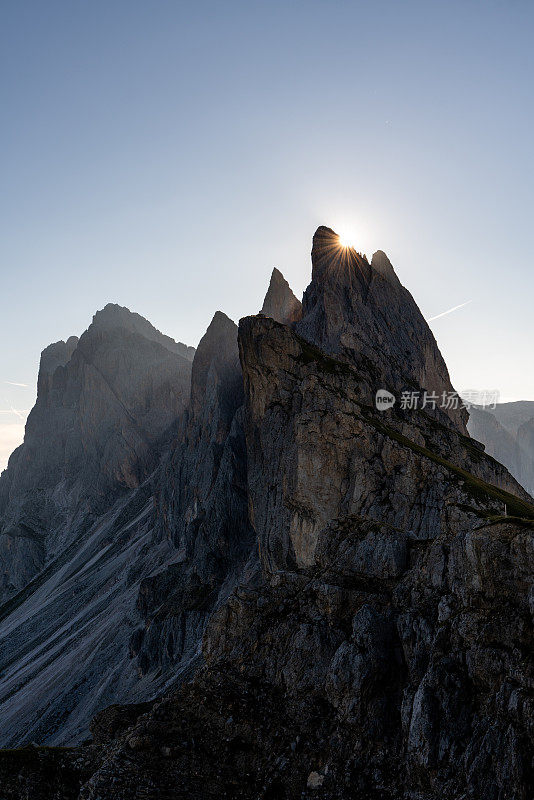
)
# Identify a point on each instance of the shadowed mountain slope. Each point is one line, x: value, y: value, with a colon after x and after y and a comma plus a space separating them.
x: 104, y: 404
x: 117, y: 611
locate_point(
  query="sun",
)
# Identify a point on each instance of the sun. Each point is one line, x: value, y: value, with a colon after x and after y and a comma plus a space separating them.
x: 347, y: 239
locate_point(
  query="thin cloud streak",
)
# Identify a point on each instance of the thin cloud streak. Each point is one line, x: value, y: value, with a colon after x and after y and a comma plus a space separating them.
x: 21, y: 414
x: 14, y: 383
x: 18, y: 414
x: 450, y: 310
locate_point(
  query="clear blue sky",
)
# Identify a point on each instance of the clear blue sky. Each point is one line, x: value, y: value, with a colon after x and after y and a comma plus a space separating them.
x: 166, y: 155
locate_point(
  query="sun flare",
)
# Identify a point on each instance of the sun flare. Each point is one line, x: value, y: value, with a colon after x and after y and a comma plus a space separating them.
x: 347, y: 238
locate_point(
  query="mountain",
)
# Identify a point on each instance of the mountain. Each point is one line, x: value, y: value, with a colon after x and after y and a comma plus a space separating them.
x: 361, y: 313
x: 200, y: 509
x: 77, y: 529
x: 507, y: 431
x: 512, y: 415
x: 343, y: 602
x: 119, y: 612
x: 104, y: 404
x: 280, y: 303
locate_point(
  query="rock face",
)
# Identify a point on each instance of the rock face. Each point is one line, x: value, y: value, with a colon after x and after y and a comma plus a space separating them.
x: 65, y: 636
x: 361, y: 312
x: 114, y: 316
x: 280, y: 303
x: 118, y: 615
x: 77, y: 536
x: 331, y: 451
x: 200, y: 508
x: 379, y: 640
x: 104, y: 404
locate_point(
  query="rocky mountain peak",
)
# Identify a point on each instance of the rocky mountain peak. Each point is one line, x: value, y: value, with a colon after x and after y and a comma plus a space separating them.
x: 216, y: 373
x: 55, y: 355
x: 381, y: 263
x: 280, y: 303
x: 332, y: 261
x: 105, y: 404
x: 114, y: 316
x: 362, y: 313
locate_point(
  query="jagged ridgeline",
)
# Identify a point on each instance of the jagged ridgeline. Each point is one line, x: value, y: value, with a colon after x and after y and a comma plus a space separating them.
x: 226, y: 573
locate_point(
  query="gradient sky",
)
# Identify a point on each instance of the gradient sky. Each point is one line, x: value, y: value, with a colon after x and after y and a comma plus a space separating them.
x: 166, y: 155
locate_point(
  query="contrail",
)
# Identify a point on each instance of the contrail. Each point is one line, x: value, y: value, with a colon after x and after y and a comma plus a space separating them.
x: 444, y: 313
x: 18, y: 414
x: 12, y: 383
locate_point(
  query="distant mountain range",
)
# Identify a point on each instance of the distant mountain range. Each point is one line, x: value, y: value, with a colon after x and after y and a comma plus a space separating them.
x: 507, y: 431
x: 226, y: 573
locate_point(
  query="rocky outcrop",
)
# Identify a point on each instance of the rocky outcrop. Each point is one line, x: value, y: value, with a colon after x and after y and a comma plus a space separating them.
x: 55, y: 355
x: 216, y: 385
x: 280, y: 303
x: 114, y: 316
x: 306, y: 422
x: 361, y: 313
